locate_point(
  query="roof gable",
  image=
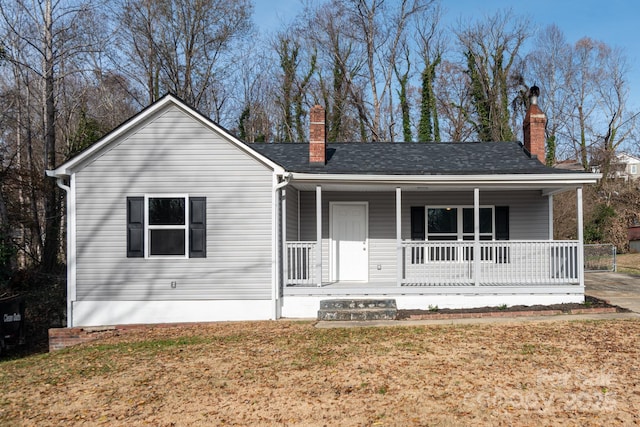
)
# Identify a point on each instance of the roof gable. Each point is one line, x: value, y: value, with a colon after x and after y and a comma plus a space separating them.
x: 115, y: 136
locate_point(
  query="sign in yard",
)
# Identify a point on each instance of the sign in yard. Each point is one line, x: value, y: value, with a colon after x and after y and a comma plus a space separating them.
x: 11, y: 322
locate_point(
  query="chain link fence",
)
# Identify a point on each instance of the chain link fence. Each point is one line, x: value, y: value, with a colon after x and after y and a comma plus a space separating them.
x: 599, y: 257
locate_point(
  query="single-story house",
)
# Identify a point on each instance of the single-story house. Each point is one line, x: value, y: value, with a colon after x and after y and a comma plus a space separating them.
x: 627, y: 166
x: 170, y: 218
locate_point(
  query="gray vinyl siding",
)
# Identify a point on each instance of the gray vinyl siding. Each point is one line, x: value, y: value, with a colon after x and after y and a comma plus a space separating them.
x: 528, y: 210
x: 528, y: 220
x: 292, y: 197
x: 174, y: 153
x: 381, y: 233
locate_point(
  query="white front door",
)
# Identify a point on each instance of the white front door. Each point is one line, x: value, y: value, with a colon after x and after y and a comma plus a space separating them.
x: 349, y: 244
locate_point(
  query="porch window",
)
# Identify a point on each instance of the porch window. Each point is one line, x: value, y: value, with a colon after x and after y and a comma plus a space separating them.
x: 166, y: 226
x: 448, y: 223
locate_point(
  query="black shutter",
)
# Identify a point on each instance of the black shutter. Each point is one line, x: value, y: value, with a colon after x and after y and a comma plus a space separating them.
x: 197, y: 227
x: 417, y: 223
x: 135, y: 227
x: 502, y: 222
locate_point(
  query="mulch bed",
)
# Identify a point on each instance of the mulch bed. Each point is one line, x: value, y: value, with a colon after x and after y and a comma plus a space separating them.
x: 592, y: 305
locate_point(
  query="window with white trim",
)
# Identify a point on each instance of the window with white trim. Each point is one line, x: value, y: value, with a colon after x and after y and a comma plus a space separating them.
x: 166, y: 226
x: 457, y: 223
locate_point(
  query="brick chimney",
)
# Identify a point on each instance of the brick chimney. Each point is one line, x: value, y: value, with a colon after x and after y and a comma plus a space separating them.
x: 317, y: 138
x: 533, y: 126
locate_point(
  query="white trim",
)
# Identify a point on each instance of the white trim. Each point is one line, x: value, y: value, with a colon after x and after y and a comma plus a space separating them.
x: 298, y: 214
x: 72, y: 252
x: 274, y: 247
x: 580, y: 230
x: 111, y: 312
x: 399, y: 236
x: 332, y: 251
x: 278, y: 216
x: 477, y: 258
x: 550, y: 197
x: 455, y: 180
x: 76, y: 163
x: 71, y: 243
x: 148, y: 228
x: 318, y: 265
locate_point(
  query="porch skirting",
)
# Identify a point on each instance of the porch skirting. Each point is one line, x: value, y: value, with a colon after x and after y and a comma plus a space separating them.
x: 306, y: 306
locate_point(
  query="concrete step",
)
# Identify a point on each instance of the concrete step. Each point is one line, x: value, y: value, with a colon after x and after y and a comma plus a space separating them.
x: 357, y: 303
x: 358, y: 309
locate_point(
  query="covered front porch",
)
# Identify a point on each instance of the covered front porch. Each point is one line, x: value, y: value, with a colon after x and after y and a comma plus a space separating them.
x: 368, y: 241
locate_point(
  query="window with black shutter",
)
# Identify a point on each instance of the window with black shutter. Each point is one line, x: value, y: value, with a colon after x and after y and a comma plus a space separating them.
x: 502, y: 233
x: 198, y: 227
x: 417, y: 223
x: 135, y: 227
x: 166, y: 226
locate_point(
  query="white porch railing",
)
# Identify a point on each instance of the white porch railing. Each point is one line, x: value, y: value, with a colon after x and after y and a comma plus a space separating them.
x: 301, y: 259
x: 451, y: 263
x: 502, y: 263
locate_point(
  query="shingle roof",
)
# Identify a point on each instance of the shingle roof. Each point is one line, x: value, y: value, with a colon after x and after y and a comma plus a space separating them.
x: 409, y: 158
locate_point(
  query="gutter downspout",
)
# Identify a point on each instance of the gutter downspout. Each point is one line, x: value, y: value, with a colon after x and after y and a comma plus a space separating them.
x: 70, y: 250
x: 277, y: 236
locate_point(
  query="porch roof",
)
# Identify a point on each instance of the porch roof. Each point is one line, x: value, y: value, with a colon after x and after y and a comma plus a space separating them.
x: 487, y: 158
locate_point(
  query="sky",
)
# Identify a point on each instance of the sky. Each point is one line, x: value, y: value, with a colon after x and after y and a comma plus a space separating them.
x: 614, y: 22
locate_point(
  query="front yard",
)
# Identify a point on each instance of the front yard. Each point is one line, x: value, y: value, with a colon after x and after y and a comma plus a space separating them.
x: 290, y: 373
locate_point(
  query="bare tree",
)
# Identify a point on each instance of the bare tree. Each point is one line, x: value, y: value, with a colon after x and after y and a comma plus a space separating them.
x: 47, y: 41
x: 454, y: 103
x: 338, y: 80
x: 184, y: 47
x: 617, y: 122
x: 583, y: 74
x: 491, y: 48
x: 380, y: 30
x: 547, y: 67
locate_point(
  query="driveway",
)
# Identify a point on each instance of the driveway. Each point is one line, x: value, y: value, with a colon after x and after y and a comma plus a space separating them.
x: 618, y: 289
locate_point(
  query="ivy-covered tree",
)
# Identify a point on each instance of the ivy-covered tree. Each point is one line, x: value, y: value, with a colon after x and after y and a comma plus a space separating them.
x: 491, y: 48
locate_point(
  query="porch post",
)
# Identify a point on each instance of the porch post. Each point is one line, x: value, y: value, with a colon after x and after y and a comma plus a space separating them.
x: 550, y: 216
x: 283, y: 244
x: 319, y: 235
x: 476, y: 236
x: 399, y: 260
x: 580, y: 220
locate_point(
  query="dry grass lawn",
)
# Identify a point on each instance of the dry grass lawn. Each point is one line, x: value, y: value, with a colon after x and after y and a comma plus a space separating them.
x: 629, y: 263
x: 288, y: 373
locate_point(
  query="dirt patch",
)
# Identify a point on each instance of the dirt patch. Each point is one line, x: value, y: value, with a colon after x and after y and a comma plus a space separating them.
x: 591, y: 304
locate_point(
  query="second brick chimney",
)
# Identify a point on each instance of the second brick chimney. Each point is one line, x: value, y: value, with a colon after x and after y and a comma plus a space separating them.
x: 317, y: 138
x: 533, y: 126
